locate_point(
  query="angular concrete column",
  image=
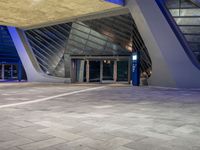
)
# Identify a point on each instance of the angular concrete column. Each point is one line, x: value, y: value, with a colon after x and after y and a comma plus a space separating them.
x: 31, y: 66
x: 171, y: 65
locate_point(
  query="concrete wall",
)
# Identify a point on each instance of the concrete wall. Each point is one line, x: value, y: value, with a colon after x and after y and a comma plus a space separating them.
x: 31, y: 66
x: 171, y: 65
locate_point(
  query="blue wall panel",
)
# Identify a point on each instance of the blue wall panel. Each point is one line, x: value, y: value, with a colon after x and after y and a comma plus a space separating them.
x: 8, y: 52
x: 119, y: 2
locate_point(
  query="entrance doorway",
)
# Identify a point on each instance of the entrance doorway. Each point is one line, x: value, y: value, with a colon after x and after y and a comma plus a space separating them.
x: 108, y: 70
x: 94, y: 71
x: 122, y: 71
x: 102, y: 70
x: 10, y: 72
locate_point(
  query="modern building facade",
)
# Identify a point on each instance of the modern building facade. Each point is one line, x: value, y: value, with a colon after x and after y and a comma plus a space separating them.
x: 95, y: 44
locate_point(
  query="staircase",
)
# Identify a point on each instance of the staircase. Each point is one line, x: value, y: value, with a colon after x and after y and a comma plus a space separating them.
x: 186, y: 13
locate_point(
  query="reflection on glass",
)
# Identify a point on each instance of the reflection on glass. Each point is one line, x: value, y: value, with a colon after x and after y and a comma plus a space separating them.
x: 122, y: 71
x: 94, y: 71
x: 108, y: 67
x: 15, y: 72
x: 7, y: 72
x: 10, y: 72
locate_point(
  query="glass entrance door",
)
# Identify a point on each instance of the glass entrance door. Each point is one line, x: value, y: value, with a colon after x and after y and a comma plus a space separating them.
x: 122, y: 71
x: 108, y: 69
x: 94, y: 71
x: 102, y: 70
x: 15, y: 72
x: 8, y: 72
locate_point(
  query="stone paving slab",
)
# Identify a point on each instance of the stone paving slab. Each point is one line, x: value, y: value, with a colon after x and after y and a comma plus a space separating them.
x: 111, y: 118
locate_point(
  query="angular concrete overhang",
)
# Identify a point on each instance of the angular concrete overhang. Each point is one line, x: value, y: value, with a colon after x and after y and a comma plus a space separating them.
x: 35, y: 13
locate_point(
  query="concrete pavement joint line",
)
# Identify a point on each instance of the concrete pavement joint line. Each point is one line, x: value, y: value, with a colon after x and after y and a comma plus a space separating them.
x: 51, y: 97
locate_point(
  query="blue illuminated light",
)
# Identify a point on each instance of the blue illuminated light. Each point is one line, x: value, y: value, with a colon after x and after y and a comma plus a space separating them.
x: 119, y: 2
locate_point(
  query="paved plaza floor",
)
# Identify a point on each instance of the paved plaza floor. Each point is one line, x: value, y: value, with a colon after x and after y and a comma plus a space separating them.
x: 98, y: 117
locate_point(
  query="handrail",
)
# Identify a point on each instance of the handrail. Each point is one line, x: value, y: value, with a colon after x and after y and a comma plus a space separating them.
x: 196, y: 2
x: 177, y: 32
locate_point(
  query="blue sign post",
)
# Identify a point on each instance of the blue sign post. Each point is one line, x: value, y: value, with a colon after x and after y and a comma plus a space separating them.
x: 119, y: 2
x: 135, y: 69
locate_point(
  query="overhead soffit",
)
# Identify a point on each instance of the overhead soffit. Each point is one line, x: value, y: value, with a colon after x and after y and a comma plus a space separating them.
x: 30, y: 13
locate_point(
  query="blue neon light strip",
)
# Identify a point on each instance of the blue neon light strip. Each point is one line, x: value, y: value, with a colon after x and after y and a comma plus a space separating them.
x: 119, y: 2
